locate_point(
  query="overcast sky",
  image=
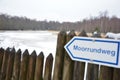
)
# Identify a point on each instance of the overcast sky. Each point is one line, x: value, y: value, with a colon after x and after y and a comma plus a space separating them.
x: 59, y: 10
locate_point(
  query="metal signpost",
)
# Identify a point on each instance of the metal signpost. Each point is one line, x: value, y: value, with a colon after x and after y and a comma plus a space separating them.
x: 94, y: 50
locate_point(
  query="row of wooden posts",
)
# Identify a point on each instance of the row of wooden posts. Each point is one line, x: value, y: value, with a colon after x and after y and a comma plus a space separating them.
x: 15, y: 65
x: 23, y: 66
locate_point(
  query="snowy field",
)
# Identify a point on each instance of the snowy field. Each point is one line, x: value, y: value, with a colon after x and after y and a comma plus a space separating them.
x: 44, y: 41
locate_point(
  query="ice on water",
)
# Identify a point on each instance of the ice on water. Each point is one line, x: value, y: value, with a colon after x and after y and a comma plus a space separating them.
x: 32, y: 40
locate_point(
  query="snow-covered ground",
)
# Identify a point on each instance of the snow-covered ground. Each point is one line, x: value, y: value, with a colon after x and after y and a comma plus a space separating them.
x: 32, y: 40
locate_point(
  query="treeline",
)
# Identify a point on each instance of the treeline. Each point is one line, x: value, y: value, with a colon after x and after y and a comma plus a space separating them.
x: 102, y: 23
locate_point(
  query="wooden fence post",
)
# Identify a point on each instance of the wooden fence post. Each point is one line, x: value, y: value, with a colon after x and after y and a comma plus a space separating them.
x: 59, y: 58
x: 24, y: 65
x: 92, y: 72
x: 106, y: 73
x: 16, y: 68
x: 10, y: 64
x: 1, y: 58
x: 68, y: 63
x: 93, y: 69
x: 39, y: 67
x: 48, y: 67
x: 79, y: 67
x: 4, y: 64
x: 31, y: 66
x: 116, y: 74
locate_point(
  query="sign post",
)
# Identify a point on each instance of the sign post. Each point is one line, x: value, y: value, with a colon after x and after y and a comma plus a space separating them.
x: 85, y: 74
x: 94, y: 50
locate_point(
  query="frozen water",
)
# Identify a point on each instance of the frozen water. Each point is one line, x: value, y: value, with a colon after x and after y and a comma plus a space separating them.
x: 32, y: 40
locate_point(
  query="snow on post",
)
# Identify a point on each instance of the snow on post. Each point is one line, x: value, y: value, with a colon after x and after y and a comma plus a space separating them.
x: 113, y: 35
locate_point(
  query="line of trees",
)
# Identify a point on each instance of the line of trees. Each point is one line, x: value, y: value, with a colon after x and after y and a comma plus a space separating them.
x: 102, y: 23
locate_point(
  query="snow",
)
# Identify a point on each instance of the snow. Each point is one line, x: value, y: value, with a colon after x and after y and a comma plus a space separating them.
x: 44, y: 41
x: 113, y: 35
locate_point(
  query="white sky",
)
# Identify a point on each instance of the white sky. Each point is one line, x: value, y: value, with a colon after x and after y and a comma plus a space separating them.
x: 59, y: 10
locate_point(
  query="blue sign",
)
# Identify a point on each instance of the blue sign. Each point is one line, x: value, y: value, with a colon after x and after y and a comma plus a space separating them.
x: 94, y: 50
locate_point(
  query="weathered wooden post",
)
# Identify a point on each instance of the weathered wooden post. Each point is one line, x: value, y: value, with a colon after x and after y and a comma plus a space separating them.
x: 16, y: 68
x: 92, y: 72
x: 24, y: 65
x: 116, y: 74
x: 79, y: 67
x: 68, y: 63
x: 48, y: 67
x: 10, y: 64
x: 1, y: 58
x: 31, y: 66
x: 106, y: 73
x: 93, y: 69
x: 59, y: 58
x: 39, y: 67
x: 4, y: 64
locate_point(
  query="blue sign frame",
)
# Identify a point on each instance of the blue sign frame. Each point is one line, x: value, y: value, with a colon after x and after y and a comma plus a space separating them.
x: 100, y: 61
